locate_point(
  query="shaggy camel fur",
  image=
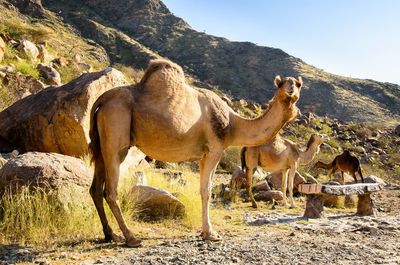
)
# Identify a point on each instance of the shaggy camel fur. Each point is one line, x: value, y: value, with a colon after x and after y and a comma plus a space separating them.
x: 344, y: 162
x: 282, y: 155
x: 170, y: 121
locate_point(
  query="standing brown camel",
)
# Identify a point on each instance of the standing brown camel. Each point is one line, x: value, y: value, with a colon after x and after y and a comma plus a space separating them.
x: 170, y: 121
x: 344, y: 162
x: 279, y: 154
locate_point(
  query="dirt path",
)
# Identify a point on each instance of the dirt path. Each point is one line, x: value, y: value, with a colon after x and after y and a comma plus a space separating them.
x: 267, y: 238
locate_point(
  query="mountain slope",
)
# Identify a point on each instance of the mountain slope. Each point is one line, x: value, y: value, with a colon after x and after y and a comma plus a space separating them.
x: 134, y: 31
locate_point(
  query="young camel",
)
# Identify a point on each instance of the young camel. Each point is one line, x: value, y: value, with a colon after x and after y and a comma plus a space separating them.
x: 279, y: 154
x: 170, y: 121
x: 344, y: 162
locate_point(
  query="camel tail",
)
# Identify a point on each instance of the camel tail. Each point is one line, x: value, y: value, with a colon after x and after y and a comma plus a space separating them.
x: 243, y: 158
x: 94, y: 145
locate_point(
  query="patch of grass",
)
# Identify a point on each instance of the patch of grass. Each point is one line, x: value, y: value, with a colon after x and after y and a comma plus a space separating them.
x: 19, y: 29
x: 131, y: 74
x: 26, y: 68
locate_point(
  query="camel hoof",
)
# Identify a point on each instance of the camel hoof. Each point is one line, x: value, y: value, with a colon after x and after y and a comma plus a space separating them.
x: 254, y: 205
x: 211, y: 236
x: 133, y: 242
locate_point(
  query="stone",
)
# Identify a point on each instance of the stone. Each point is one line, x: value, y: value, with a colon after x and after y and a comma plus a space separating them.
x: 65, y: 176
x: 140, y: 178
x: 60, y: 62
x: 238, y: 179
x: 154, y: 204
x: 374, y: 179
x: 21, y: 86
x: 275, y: 180
x: 269, y: 195
x: 28, y: 48
x: 314, y: 207
x: 50, y: 74
x: 365, y: 205
x: 397, y: 130
x: 261, y: 186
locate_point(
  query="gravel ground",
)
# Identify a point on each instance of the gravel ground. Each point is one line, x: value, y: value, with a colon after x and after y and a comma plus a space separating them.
x: 267, y: 238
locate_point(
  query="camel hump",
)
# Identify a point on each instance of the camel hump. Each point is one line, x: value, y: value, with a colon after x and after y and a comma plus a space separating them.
x: 162, y: 64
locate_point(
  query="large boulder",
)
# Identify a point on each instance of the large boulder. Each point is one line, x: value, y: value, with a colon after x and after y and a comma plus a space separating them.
x: 54, y: 173
x: 269, y: 195
x: 154, y: 204
x: 57, y: 118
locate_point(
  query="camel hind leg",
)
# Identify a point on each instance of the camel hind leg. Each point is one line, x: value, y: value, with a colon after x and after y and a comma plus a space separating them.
x: 96, y: 191
x: 114, y: 123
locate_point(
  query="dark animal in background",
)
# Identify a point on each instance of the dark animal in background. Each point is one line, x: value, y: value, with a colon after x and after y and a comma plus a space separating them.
x: 344, y: 162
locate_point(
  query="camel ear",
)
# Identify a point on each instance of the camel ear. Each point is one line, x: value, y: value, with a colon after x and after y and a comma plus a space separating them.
x: 278, y: 81
x: 299, y: 82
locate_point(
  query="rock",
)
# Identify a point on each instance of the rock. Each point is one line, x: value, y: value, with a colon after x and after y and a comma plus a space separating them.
x: 269, y: 195
x: 397, y: 130
x: 44, y: 56
x: 60, y: 62
x: 261, y: 186
x: 155, y: 204
x: 21, y: 85
x: 275, y: 180
x: 50, y: 74
x: 373, y: 179
x: 8, y: 69
x: 28, y: 48
x: 57, y: 118
x: 238, y: 179
x: 64, y: 175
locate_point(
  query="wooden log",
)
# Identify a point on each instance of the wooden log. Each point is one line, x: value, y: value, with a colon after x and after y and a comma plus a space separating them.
x: 314, y: 206
x: 365, y: 206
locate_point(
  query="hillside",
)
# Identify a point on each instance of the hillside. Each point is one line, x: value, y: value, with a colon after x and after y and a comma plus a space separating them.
x: 129, y: 33
x: 241, y: 69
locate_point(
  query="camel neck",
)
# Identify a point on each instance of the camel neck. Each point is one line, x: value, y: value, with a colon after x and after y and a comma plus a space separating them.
x: 247, y: 132
x: 308, y: 155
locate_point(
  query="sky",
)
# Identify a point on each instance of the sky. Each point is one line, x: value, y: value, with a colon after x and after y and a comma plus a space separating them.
x: 354, y: 38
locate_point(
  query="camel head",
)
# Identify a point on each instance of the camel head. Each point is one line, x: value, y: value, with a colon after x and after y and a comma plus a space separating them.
x: 289, y: 93
x: 317, y: 138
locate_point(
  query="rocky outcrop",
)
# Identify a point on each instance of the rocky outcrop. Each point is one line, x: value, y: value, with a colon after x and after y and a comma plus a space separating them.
x: 57, y: 118
x: 53, y: 173
x: 153, y: 204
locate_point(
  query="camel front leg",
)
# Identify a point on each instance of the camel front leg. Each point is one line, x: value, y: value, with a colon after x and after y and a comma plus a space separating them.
x: 284, y: 185
x: 291, y: 174
x: 208, y: 164
x: 249, y: 188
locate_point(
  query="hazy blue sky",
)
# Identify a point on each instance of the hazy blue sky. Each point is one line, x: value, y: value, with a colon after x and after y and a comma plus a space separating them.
x: 357, y: 38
